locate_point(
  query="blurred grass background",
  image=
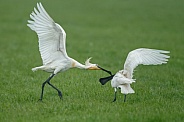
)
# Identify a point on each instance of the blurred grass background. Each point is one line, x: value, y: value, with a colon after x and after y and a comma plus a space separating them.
x: 105, y: 30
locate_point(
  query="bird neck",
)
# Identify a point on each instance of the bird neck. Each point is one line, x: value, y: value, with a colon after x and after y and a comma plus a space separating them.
x: 76, y: 64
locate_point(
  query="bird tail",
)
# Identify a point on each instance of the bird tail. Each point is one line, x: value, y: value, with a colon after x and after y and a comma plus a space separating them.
x: 34, y: 69
x: 38, y: 68
x: 126, y: 89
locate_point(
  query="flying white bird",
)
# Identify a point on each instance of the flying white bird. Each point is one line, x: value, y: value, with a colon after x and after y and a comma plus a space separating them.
x: 52, y: 38
x: 123, y: 78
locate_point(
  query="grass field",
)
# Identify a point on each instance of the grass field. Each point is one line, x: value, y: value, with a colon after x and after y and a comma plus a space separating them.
x: 105, y: 30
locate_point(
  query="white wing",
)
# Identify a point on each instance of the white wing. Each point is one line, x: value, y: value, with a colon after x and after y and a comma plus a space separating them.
x: 51, y: 35
x: 144, y: 56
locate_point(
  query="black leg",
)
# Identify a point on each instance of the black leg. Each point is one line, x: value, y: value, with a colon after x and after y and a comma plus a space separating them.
x: 48, y: 81
x: 115, y: 92
x: 125, y: 98
x: 43, y: 85
x: 59, y: 92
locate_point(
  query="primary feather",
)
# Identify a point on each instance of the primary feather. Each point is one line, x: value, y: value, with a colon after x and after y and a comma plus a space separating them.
x: 51, y: 35
x: 123, y: 78
x: 144, y: 56
x: 52, y: 39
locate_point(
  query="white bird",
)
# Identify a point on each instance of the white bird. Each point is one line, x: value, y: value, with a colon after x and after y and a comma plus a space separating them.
x: 123, y: 78
x: 52, y: 39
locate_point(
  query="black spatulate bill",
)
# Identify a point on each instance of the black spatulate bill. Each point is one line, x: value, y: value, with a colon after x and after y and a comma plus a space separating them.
x: 105, y: 70
x: 103, y: 81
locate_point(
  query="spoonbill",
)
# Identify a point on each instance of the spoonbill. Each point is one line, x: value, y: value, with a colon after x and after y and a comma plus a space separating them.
x: 52, y: 39
x: 123, y: 78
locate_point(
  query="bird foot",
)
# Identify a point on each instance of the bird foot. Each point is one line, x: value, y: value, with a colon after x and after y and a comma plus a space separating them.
x: 40, y: 100
x: 60, y: 94
x: 114, y: 100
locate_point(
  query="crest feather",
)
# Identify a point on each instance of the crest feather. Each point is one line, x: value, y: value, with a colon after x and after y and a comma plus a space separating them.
x: 87, y: 62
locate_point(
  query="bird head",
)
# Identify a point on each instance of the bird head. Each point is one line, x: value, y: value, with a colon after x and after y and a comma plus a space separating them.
x: 91, y: 66
x: 123, y: 72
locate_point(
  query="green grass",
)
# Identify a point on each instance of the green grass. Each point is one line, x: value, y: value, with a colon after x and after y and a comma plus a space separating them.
x: 106, y: 30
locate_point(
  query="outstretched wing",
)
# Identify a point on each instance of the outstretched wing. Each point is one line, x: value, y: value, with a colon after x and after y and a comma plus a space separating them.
x: 51, y: 35
x: 144, y: 56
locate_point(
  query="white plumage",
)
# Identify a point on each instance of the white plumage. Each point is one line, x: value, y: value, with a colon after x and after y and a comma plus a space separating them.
x: 120, y: 81
x: 144, y: 56
x: 52, y: 39
x: 123, y: 78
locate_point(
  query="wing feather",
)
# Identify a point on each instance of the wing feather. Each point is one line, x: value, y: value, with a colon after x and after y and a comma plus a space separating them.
x: 146, y: 57
x: 52, y: 36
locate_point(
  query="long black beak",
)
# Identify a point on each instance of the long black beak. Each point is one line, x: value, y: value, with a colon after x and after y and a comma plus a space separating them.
x: 105, y: 70
x: 103, y: 81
